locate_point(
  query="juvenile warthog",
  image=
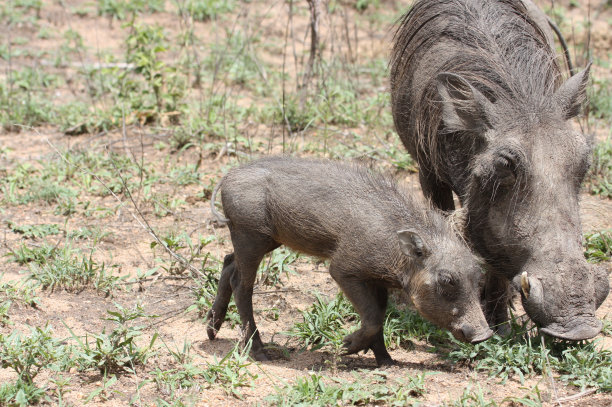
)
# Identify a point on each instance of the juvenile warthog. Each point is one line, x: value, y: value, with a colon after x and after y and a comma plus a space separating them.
x: 375, y: 237
x: 478, y: 99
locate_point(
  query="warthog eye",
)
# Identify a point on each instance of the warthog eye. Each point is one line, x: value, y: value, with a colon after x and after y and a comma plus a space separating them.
x: 504, y: 171
x: 448, y: 285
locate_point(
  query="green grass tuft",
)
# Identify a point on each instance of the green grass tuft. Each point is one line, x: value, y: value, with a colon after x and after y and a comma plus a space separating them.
x: 362, y: 389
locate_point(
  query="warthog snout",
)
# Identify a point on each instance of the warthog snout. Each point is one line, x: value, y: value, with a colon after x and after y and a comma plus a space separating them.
x: 544, y: 309
x: 576, y: 329
x: 473, y: 336
x: 472, y: 332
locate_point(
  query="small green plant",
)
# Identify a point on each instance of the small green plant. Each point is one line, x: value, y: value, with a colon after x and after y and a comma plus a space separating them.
x: 28, y: 356
x: 362, y: 5
x: 179, y: 242
x: 598, y: 246
x: 5, y: 306
x: 22, y: 99
x: 35, y: 231
x: 277, y: 263
x: 117, y: 351
x: 472, y: 397
x: 362, y: 389
x: 61, y: 384
x: 325, y: 323
x: 45, y: 191
x: 402, y: 324
x: 121, y: 9
x: 19, y: 292
x: 20, y: 394
x: 165, y: 204
x: 182, y: 175
x: 94, y: 234
x: 73, y: 271
x: 177, y: 384
x: 32, y: 254
x: 231, y: 371
x: 607, y: 326
x: 145, y: 44
x: 586, y: 365
x: 105, y: 391
x: 203, y: 10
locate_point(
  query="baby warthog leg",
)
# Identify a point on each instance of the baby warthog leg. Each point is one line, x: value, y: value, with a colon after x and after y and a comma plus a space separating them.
x: 370, y: 301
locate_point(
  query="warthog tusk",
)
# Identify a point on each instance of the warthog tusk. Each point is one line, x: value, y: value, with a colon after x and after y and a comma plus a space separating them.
x: 525, y: 284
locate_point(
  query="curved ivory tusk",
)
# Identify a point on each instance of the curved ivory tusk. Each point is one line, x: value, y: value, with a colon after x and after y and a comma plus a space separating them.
x: 525, y: 284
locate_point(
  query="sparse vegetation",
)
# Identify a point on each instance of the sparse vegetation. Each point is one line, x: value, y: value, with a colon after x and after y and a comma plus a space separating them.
x: 325, y: 323
x: 118, y: 118
x: 526, y: 353
x: 34, y: 231
x: 601, y: 98
x: 599, y: 178
x: 362, y: 389
x: 117, y: 351
x: 28, y: 355
x: 275, y: 265
x: 598, y: 246
x: 73, y: 271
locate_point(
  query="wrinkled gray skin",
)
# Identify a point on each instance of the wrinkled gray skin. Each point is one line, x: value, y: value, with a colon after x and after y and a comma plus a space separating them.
x: 478, y: 99
x: 375, y: 238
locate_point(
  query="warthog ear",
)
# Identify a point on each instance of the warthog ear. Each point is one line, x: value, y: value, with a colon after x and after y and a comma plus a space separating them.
x: 464, y: 108
x: 570, y: 96
x: 412, y: 245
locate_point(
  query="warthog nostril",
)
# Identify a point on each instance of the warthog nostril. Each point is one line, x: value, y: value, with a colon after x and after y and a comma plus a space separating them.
x: 468, y: 332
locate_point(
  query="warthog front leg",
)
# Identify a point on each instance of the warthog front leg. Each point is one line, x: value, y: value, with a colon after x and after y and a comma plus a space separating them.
x: 370, y: 301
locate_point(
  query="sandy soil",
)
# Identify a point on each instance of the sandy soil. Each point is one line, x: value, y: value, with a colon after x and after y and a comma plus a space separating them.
x: 129, y: 246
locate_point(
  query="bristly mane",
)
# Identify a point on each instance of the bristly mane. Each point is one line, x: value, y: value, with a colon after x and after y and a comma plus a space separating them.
x: 494, y: 44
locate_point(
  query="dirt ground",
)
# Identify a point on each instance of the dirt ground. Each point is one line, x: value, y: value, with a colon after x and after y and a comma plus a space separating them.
x: 129, y: 246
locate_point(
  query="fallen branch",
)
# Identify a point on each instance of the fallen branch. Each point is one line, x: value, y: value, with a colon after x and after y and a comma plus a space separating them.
x: 576, y: 396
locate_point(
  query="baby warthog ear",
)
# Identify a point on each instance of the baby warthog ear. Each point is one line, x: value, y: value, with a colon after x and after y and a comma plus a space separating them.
x: 411, y: 244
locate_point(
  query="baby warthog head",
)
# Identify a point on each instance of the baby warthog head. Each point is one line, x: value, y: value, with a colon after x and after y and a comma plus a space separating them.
x: 444, y: 286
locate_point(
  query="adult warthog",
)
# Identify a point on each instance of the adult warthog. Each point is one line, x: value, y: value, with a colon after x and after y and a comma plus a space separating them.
x: 480, y: 102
